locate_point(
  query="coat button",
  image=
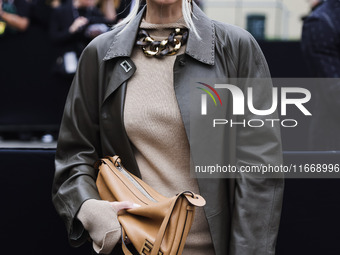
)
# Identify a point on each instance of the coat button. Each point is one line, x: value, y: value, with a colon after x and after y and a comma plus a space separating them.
x: 182, y: 62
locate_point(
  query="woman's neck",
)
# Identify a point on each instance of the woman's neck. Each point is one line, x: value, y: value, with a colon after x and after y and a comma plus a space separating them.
x: 157, y: 13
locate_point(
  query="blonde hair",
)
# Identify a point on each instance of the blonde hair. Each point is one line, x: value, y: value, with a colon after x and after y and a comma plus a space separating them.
x: 186, y: 11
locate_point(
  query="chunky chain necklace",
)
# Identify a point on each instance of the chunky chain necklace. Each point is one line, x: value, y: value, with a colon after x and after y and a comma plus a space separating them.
x: 166, y: 47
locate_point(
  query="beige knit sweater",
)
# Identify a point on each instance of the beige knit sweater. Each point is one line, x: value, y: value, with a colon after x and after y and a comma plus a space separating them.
x: 154, y: 126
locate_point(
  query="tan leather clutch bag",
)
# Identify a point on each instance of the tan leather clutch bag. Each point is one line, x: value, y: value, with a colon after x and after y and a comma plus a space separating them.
x: 161, y: 225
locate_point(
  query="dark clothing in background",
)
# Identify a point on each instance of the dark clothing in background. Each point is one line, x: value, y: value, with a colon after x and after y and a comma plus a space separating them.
x: 22, y: 7
x: 65, y: 42
x: 40, y: 14
x: 321, y: 48
x: 321, y: 40
x: 124, y: 9
x: 61, y: 20
x: 312, y: 9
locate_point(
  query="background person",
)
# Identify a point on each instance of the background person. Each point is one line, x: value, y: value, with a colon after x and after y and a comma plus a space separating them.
x: 72, y: 26
x: 108, y: 8
x: 321, y: 49
x: 14, y: 16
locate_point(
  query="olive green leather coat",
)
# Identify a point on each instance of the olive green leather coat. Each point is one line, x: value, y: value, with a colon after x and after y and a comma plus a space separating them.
x: 243, y: 213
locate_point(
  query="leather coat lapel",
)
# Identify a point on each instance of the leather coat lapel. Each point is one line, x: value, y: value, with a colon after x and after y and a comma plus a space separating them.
x: 124, y: 41
x: 122, y: 71
x: 113, y: 112
x: 202, y: 47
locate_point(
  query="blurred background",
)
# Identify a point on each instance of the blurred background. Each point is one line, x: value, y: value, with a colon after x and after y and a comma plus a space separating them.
x: 265, y: 19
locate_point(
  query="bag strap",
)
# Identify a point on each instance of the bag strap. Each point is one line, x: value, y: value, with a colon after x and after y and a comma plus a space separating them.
x: 160, y: 234
x: 162, y: 229
x: 124, y: 246
x: 187, y: 227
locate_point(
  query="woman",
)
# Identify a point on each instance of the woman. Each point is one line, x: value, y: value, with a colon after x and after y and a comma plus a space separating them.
x: 127, y: 103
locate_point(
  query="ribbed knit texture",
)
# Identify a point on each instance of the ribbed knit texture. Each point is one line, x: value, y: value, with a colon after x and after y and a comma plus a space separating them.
x: 100, y: 220
x: 154, y: 126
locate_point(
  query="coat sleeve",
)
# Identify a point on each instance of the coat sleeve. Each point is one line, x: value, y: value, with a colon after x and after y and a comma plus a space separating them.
x: 78, y: 147
x: 257, y: 197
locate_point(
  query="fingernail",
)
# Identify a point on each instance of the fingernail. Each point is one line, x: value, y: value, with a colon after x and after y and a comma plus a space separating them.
x: 136, y: 205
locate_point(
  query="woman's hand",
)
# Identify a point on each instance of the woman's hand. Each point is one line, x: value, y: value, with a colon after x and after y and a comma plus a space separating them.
x: 117, y: 206
x: 77, y: 24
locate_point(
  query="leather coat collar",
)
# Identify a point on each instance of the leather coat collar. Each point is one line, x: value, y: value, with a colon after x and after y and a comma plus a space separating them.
x: 201, y: 48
